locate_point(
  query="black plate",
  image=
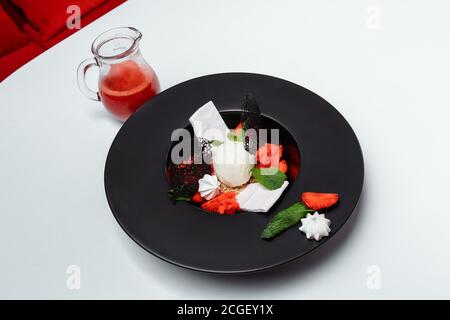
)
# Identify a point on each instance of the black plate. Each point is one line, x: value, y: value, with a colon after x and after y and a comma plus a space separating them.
x: 136, y: 185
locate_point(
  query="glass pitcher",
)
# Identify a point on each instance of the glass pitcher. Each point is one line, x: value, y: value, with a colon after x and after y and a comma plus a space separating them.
x: 126, y: 80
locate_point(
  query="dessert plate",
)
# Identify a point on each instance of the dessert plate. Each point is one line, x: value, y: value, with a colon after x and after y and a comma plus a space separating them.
x: 136, y: 184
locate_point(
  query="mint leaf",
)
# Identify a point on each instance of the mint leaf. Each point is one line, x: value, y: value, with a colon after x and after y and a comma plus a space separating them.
x: 216, y: 143
x: 285, y: 219
x: 179, y: 193
x: 271, y: 178
x: 183, y: 199
x: 237, y: 137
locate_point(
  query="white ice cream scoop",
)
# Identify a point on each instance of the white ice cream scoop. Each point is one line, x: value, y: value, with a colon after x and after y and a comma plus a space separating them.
x: 232, y: 163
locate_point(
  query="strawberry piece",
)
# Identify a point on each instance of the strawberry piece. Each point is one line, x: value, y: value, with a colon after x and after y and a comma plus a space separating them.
x: 197, y: 198
x: 224, y: 203
x: 283, y: 166
x: 318, y: 201
x: 238, y: 128
x: 269, y: 155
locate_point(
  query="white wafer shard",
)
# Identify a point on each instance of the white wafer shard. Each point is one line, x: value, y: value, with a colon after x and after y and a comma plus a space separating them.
x: 208, y: 123
x: 257, y: 198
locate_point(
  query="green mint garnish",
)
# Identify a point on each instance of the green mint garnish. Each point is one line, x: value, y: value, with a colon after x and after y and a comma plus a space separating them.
x: 285, y: 219
x: 271, y: 178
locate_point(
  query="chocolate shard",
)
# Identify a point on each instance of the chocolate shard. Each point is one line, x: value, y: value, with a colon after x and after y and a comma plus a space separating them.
x: 250, y: 119
x: 251, y: 114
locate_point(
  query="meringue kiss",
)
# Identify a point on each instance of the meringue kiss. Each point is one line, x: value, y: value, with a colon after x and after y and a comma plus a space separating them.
x: 315, y: 226
x: 208, y: 186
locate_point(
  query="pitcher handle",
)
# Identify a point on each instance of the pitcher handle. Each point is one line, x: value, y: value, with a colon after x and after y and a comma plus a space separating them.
x: 81, y: 77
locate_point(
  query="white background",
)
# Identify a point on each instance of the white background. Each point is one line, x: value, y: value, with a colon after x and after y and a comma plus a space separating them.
x: 383, y: 64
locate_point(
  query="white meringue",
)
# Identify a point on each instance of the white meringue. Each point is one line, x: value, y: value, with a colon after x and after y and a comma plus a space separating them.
x: 208, y: 186
x: 315, y: 226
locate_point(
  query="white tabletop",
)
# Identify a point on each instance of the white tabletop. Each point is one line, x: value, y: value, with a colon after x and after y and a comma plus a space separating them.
x: 383, y: 64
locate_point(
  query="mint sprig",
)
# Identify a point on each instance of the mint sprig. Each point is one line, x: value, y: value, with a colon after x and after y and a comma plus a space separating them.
x: 285, y: 219
x: 237, y: 137
x: 216, y: 143
x: 271, y: 178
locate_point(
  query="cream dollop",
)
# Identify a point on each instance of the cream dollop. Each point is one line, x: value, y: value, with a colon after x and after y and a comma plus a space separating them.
x: 208, y: 186
x: 232, y: 163
x: 315, y: 226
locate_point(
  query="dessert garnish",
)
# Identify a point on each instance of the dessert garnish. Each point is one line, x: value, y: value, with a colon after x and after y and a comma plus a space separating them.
x: 257, y: 198
x: 269, y: 155
x: 271, y: 178
x: 315, y: 226
x: 184, y: 177
x: 270, y: 170
x: 283, y: 166
x: 208, y: 186
x: 224, y: 203
x: 197, y: 198
x: 312, y: 225
x: 318, y: 201
x: 208, y: 124
x: 285, y: 219
x: 250, y: 119
x: 251, y: 114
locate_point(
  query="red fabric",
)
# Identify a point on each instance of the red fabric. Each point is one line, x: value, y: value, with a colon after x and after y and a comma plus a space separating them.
x: 14, y: 60
x: 14, y: 13
x: 12, y: 38
x: 49, y: 17
x: 86, y: 19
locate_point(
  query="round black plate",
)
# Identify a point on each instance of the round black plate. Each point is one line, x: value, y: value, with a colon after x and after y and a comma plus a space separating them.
x: 136, y: 185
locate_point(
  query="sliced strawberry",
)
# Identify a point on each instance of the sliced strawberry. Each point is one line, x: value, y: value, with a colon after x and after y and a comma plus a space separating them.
x: 283, y: 166
x: 198, y: 198
x: 269, y: 155
x: 239, y: 127
x: 319, y: 201
x: 224, y: 204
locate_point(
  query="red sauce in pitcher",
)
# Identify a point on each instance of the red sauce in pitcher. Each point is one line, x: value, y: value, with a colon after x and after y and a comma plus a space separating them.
x: 126, y: 86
